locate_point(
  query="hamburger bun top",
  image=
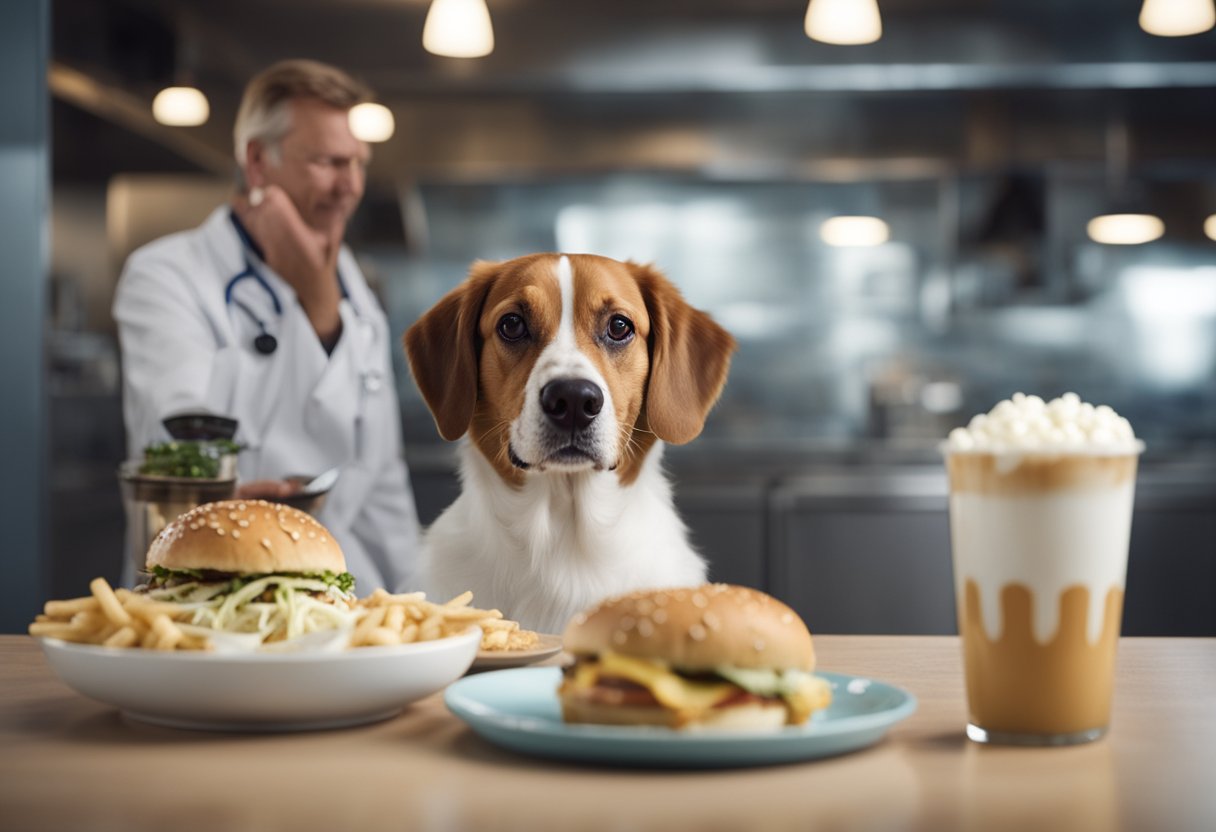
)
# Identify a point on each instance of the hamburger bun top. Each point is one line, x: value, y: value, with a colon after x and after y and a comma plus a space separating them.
x: 246, y: 536
x: 696, y: 629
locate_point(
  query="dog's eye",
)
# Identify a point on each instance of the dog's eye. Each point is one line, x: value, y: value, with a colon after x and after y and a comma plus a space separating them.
x: 619, y: 328
x: 512, y: 327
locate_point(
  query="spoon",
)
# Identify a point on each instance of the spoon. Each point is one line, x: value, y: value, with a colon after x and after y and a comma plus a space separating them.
x: 321, y: 482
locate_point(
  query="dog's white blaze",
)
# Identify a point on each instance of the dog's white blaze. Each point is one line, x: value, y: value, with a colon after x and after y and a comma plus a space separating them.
x: 561, y: 358
x: 565, y: 283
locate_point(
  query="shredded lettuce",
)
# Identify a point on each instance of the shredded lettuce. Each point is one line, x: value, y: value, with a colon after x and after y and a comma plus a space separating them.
x: 764, y: 682
x: 274, y: 606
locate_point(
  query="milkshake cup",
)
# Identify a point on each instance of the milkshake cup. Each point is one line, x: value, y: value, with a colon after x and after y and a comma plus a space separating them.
x: 1040, y: 516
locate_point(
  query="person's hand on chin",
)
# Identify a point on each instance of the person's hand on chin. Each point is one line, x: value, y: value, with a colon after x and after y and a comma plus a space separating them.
x: 303, y: 256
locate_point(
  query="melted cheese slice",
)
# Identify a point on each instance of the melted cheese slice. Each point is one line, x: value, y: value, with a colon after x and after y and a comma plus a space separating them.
x: 689, y: 698
x: 812, y: 695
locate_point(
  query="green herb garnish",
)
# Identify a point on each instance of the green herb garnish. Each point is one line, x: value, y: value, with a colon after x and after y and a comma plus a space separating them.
x: 342, y: 580
x: 164, y: 574
x: 192, y: 459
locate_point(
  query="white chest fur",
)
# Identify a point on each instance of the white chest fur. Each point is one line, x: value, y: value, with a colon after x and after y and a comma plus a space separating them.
x: 559, y: 544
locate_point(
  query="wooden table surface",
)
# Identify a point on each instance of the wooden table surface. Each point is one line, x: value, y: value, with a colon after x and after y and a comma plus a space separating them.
x: 69, y: 763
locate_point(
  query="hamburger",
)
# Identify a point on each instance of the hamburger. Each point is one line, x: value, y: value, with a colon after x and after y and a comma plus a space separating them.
x: 708, y: 657
x: 250, y: 566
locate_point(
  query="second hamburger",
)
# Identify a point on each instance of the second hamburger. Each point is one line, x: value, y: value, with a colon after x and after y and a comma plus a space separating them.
x: 715, y: 656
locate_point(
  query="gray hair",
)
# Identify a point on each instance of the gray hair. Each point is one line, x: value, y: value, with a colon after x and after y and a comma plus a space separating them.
x: 265, y: 111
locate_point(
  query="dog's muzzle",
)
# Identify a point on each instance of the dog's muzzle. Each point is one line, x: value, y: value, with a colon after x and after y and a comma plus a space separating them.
x: 569, y: 407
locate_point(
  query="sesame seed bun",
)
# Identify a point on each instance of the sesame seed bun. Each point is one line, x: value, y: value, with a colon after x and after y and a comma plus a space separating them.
x: 246, y: 536
x: 696, y: 629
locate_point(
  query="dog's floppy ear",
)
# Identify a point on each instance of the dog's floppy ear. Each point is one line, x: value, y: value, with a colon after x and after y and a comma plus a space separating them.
x: 689, y: 359
x: 444, y: 346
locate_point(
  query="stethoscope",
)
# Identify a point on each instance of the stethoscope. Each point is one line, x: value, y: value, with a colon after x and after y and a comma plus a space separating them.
x: 264, y: 342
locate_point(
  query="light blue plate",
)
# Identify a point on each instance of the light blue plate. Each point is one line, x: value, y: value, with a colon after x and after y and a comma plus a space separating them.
x: 519, y: 709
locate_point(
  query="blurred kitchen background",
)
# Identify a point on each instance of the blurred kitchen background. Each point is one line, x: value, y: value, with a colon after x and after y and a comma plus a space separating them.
x: 715, y: 139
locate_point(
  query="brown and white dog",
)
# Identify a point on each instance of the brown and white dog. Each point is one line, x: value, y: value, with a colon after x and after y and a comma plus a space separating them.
x: 567, y: 372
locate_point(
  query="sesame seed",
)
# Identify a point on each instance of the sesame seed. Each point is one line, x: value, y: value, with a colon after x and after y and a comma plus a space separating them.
x: 659, y: 616
x: 295, y: 535
x: 241, y: 506
x: 619, y: 637
x: 699, y: 600
x: 661, y: 600
x: 628, y: 622
x: 236, y: 533
x: 244, y: 524
x: 266, y: 542
x: 711, y: 621
x: 644, y: 606
x: 758, y: 644
x: 311, y: 534
x: 645, y: 628
x: 787, y: 618
x: 697, y: 632
x: 232, y: 515
x: 219, y: 531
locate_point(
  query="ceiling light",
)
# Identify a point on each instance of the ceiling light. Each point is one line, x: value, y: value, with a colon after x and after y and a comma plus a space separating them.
x: 854, y: 231
x: 1209, y: 227
x: 1177, y: 18
x: 458, y: 29
x: 1125, y: 229
x: 844, y: 22
x: 180, y: 107
x: 372, y: 122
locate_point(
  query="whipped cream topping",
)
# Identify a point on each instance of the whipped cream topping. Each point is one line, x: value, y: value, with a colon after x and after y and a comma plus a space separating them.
x: 1026, y: 423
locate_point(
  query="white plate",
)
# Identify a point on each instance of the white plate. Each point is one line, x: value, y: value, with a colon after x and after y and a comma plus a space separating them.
x: 546, y: 646
x: 262, y: 691
x: 519, y: 709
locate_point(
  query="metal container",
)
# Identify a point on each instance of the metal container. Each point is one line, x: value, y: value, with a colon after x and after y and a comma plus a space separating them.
x: 152, y: 502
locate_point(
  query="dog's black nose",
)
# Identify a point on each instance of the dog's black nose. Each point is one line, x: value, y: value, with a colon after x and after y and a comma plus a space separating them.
x: 571, y: 403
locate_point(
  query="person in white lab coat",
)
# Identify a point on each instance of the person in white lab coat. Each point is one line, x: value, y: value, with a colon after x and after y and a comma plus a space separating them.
x: 261, y: 314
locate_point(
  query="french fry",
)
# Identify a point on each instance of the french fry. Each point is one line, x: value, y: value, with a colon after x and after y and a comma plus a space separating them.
x: 383, y: 636
x: 394, y: 619
x: 428, y: 630
x: 167, y: 633
x: 66, y: 609
x: 122, y: 618
x: 373, y: 619
x: 467, y: 614
x: 123, y: 638
x: 54, y: 629
x: 147, y: 638
x: 110, y: 605
x: 461, y: 600
x: 116, y: 618
x: 410, y: 617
